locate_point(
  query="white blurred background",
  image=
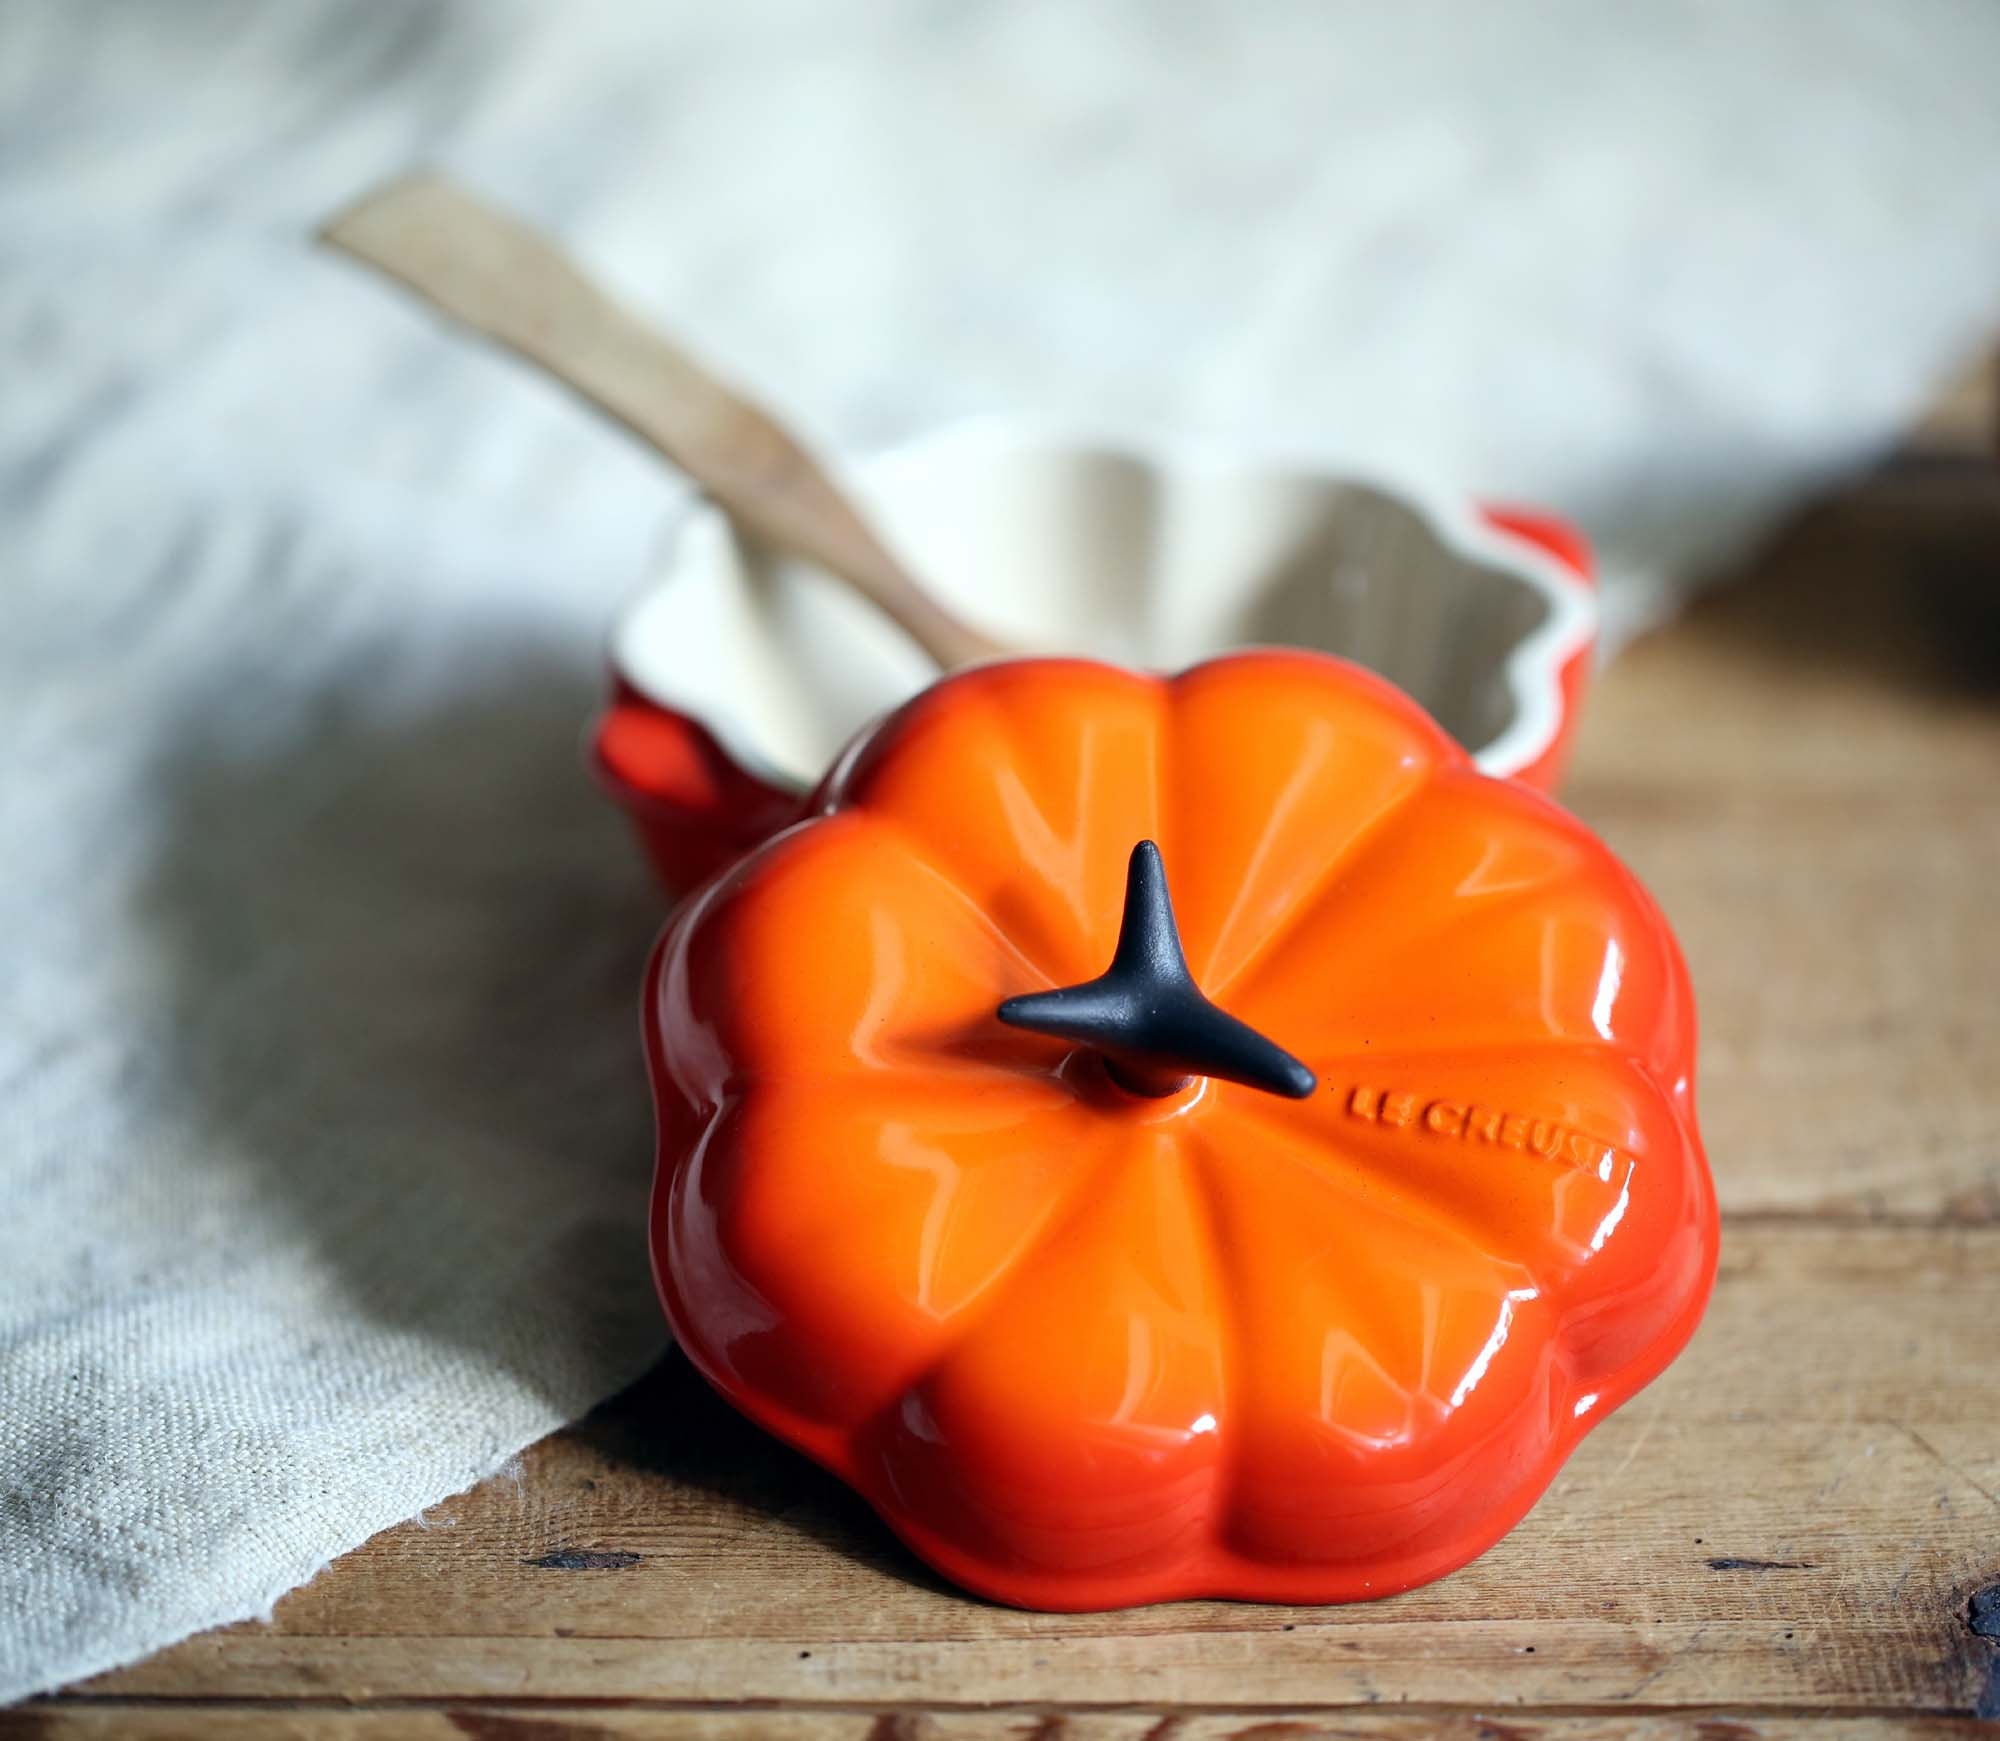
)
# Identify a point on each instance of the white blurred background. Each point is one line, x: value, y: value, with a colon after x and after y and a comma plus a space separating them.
x: 1658, y: 269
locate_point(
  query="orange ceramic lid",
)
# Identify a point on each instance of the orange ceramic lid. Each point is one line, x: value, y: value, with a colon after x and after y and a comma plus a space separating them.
x: 1090, y: 1330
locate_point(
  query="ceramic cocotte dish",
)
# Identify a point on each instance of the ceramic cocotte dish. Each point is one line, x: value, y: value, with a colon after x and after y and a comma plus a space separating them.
x: 1179, y: 1114
x: 1184, y: 1115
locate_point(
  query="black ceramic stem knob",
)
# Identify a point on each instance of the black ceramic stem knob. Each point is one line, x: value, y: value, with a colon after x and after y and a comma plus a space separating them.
x: 1147, y: 1016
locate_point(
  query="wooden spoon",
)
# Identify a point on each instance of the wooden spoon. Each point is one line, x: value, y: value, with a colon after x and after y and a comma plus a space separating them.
x: 503, y: 280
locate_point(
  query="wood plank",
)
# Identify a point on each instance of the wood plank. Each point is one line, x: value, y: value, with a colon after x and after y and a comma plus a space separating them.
x: 1795, y: 1517
x: 1964, y: 415
x: 1806, y: 772
x: 910, y: 1723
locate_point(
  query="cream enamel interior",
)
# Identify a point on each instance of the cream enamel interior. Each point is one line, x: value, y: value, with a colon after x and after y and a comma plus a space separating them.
x: 1076, y: 546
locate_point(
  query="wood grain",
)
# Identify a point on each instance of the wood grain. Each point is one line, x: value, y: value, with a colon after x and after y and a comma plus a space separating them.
x: 913, y: 1723
x: 1964, y: 416
x: 1784, y: 1537
x: 1806, y: 772
x: 1797, y: 1515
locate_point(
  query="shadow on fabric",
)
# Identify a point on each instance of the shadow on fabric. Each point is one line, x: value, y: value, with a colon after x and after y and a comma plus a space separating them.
x: 396, y: 952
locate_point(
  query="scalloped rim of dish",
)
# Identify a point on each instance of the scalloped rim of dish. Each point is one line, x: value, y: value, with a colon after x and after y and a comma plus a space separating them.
x: 1533, y: 668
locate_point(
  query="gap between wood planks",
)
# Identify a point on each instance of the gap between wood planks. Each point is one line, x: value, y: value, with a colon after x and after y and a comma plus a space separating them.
x: 1380, y: 1709
x: 516, y: 1721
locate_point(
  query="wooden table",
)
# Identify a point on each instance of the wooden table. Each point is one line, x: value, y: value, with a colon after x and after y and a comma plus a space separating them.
x: 1787, y: 1536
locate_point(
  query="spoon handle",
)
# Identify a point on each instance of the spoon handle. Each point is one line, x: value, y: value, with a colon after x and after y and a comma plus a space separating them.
x: 502, y: 279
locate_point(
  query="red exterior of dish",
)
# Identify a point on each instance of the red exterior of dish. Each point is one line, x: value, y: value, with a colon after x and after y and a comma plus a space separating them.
x: 1568, y: 546
x: 694, y: 806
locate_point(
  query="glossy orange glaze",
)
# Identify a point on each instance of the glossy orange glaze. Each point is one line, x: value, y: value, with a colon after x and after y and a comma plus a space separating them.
x: 1084, y: 1349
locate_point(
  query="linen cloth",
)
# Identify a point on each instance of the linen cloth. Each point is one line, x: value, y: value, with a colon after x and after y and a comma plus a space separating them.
x: 323, y: 1138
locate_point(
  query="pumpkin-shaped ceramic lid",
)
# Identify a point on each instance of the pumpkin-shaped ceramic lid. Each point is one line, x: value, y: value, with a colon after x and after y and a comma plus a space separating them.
x: 1170, y: 1137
